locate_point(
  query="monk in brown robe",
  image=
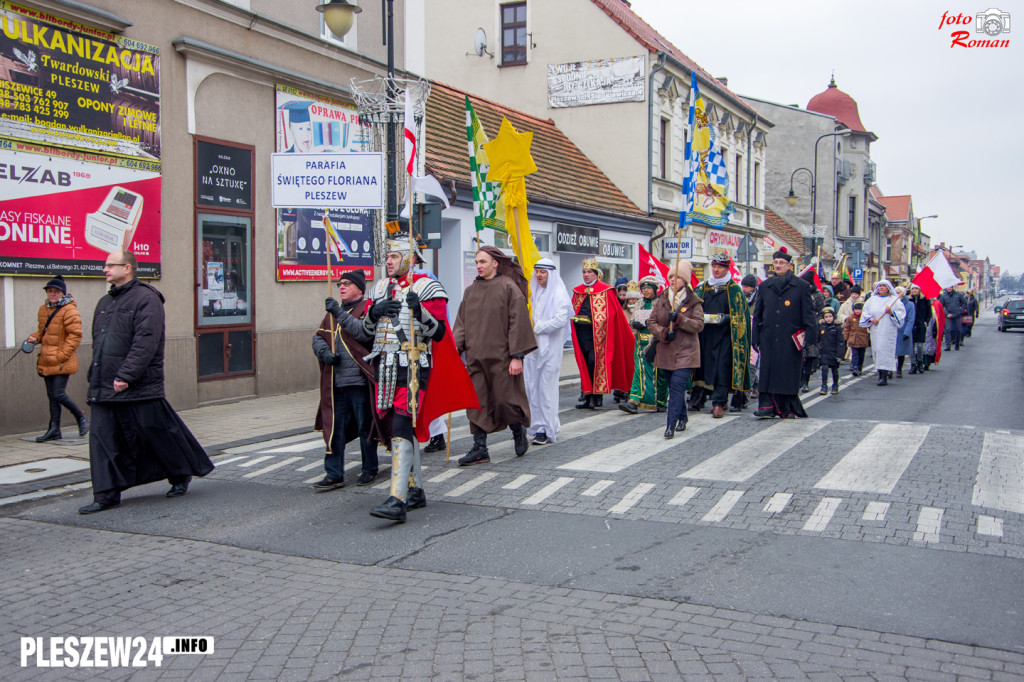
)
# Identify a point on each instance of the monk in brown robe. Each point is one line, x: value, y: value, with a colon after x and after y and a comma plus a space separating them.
x: 493, y: 329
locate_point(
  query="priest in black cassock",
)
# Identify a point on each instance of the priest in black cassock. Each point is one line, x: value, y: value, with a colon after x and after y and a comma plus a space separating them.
x: 783, y: 319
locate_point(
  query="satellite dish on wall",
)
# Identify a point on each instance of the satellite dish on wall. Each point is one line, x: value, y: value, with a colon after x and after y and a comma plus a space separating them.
x: 480, y: 44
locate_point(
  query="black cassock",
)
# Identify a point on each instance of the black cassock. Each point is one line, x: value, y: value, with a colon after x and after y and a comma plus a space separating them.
x: 141, y: 442
x: 716, y: 341
x: 783, y: 307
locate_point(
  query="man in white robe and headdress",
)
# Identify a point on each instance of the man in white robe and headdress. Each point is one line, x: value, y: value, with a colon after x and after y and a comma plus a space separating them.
x: 552, y: 309
x: 883, y: 315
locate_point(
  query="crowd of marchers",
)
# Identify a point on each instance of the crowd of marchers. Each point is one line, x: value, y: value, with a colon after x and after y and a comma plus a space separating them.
x: 393, y: 369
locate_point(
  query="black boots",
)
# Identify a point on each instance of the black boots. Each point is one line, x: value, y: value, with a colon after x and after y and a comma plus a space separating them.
x: 436, y: 444
x: 52, y: 433
x: 180, y: 488
x: 585, y: 402
x: 519, y: 436
x: 883, y: 377
x: 83, y: 426
x: 478, y: 453
x: 417, y: 499
x: 393, y: 509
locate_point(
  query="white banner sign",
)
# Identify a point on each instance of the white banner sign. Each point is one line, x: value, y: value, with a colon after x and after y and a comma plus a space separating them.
x: 599, y: 81
x: 352, y: 180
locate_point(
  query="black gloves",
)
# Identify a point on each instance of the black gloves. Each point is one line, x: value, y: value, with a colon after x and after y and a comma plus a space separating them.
x: 672, y: 316
x: 329, y: 358
x: 639, y: 326
x: 413, y: 301
x: 670, y: 335
x: 333, y: 307
x: 384, y: 308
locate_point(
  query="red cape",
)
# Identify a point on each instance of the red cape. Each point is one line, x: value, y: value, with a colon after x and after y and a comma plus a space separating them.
x: 613, y: 341
x: 450, y: 389
x: 940, y: 328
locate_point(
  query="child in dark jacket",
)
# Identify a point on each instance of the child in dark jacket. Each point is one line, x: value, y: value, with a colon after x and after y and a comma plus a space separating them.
x: 830, y: 342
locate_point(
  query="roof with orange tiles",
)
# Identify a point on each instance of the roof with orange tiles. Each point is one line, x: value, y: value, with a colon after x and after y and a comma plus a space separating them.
x: 564, y: 177
x: 779, y: 227
x: 644, y: 33
x: 897, y: 208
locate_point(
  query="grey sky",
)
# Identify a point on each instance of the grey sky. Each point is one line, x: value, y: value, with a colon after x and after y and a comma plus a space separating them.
x: 944, y: 116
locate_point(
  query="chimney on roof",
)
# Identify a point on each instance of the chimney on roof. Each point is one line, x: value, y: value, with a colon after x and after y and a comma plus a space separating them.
x: 723, y: 80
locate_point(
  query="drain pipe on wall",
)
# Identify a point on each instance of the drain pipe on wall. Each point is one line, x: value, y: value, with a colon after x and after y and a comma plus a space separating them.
x: 662, y: 56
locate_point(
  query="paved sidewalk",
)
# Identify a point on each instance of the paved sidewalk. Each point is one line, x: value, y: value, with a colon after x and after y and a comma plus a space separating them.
x: 291, y: 618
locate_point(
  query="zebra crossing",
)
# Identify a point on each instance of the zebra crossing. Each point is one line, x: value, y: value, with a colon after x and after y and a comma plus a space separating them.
x: 735, y: 472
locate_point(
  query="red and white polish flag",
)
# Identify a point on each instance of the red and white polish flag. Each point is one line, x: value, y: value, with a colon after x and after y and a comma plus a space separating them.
x: 936, y: 276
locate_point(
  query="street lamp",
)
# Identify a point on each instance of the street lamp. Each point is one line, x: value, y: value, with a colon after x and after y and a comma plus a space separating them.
x: 791, y: 199
x: 339, y: 16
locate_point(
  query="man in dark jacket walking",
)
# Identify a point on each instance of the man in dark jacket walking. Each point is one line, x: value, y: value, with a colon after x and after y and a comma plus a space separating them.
x: 136, y: 436
x: 784, y: 321
x: 953, y: 304
x: 345, y: 410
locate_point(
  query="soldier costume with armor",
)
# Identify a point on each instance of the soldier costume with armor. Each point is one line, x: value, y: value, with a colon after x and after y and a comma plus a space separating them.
x: 405, y: 358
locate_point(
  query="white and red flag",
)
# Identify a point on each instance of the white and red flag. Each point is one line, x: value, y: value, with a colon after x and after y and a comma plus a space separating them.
x: 649, y: 265
x: 734, y: 272
x: 410, y: 136
x: 936, y: 276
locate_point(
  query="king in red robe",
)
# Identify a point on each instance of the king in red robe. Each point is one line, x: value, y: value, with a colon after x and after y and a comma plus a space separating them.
x: 601, y: 338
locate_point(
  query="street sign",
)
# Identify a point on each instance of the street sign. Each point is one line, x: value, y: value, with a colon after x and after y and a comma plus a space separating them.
x: 746, y: 251
x: 686, y: 252
x: 858, y: 274
x: 352, y: 180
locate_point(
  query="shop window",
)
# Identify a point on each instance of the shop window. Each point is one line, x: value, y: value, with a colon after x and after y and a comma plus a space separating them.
x: 513, y: 34
x: 224, y: 305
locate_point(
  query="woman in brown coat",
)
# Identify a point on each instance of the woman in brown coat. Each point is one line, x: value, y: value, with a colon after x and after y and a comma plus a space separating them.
x: 59, y: 333
x: 677, y: 318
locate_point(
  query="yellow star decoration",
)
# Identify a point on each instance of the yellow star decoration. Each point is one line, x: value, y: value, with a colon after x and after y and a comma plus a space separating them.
x: 509, y: 154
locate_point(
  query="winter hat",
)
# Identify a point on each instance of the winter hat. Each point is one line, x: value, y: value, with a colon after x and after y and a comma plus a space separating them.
x: 357, y: 277
x: 683, y: 269
x: 783, y: 252
x: 749, y: 281
x: 621, y: 282
x: 57, y: 283
x: 828, y: 311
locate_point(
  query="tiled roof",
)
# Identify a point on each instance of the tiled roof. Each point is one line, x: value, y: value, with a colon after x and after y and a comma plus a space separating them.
x: 564, y: 175
x: 896, y: 208
x: 787, y: 232
x: 837, y: 103
x: 645, y: 34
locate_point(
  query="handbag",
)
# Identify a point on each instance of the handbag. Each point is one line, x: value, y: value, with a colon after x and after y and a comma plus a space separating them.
x: 967, y: 319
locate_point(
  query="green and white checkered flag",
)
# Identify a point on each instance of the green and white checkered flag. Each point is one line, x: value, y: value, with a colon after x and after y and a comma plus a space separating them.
x: 487, y: 206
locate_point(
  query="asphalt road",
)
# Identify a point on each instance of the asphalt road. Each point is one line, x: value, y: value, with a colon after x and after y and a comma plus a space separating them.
x: 824, y: 530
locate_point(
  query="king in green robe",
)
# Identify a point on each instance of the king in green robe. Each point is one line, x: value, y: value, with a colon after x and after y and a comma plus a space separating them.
x: 724, y: 345
x: 650, y: 386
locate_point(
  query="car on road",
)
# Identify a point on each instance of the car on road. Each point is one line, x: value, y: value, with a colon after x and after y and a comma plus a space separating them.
x: 1011, y: 315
